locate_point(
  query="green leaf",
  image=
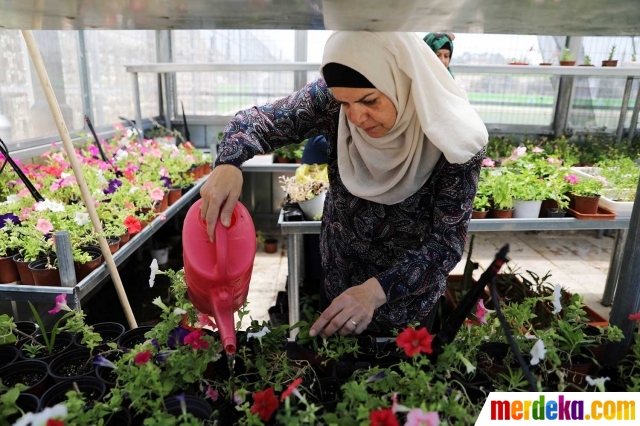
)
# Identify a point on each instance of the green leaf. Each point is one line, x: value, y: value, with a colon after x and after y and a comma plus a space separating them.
x: 40, y: 324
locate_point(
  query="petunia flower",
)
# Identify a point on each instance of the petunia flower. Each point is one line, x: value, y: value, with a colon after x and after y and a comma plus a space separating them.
x: 383, y: 417
x: 415, y: 341
x: 166, y: 181
x: 162, y: 356
x: 557, y: 306
x: 212, y: 393
x: 194, y: 339
x: 179, y: 311
x: 156, y: 194
x: 417, y: 417
x: 635, y: 317
x: 81, y: 218
x: 381, y: 375
x: 143, y: 357
x: 572, y: 179
x: 292, y: 388
x: 204, y: 320
x: 397, y: 408
x: 537, y: 352
x: 61, y: 304
x: 133, y: 225
x: 183, y: 403
x: 470, y: 367
x: 552, y: 160
x: 177, y: 336
x: 101, y: 361
x: 42, y: 418
x: 154, y: 271
x: 44, y: 226
x: 264, y: 404
x: 537, y: 149
x: 9, y: 218
x: 598, y: 382
x: 488, y: 162
x: 258, y: 335
x: 481, y: 312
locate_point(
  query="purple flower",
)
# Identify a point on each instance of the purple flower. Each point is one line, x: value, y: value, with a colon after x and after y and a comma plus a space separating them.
x: 381, y: 375
x: 8, y: 217
x: 162, y: 356
x: 183, y: 404
x: 103, y: 362
x: 155, y: 343
x: 113, y: 185
x: 167, y: 181
x: 176, y: 336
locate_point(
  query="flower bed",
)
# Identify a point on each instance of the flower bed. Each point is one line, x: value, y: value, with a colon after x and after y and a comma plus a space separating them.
x: 128, y: 190
x: 175, y: 372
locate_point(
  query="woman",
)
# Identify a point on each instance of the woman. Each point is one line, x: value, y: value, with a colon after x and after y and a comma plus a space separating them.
x: 442, y: 46
x: 404, y: 160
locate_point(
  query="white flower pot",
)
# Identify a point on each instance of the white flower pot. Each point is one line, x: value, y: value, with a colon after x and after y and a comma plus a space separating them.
x: 526, y: 209
x: 313, y: 207
x: 161, y: 255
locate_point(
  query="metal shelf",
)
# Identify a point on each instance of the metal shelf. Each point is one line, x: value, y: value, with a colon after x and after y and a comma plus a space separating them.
x: 21, y: 293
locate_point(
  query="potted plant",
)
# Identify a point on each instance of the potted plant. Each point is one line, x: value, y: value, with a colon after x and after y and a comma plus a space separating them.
x: 567, y: 59
x: 308, y: 188
x: 528, y: 192
x: 559, y: 201
x: 547, y: 60
x: 481, y: 206
x: 610, y: 62
x: 501, y: 194
x: 9, y: 244
x: 586, y: 62
x: 522, y: 61
x: 585, y: 193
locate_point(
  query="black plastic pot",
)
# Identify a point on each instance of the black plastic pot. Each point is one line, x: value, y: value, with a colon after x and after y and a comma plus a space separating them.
x: 491, y: 358
x: 325, y: 390
x: 277, y: 317
x: 121, y: 418
x: 27, y: 403
x: 195, y: 406
x: 555, y: 213
x: 343, y: 370
x: 63, y: 342
x: 8, y: 354
x: 27, y: 327
x: 32, y: 373
x: 71, y: 365
x: 131, y: 338
x: 477, y: 388
x: 91, y: 388
x: 109, y: 331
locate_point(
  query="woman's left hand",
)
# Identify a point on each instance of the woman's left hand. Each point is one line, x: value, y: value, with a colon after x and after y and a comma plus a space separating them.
x: 352, y: 311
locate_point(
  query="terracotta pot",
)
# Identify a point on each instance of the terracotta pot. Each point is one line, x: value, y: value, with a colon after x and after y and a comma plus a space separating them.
x: 163, y: 205
x: 124, y: 238
x: 44, y: 276
x: 586, y: 205
x: 23, y: 270
x: 279, y: 159
x: 270, y: 245
x: 567, y: 63
x: 206, y: 167
x: 199, y: 171
x: 500, y: 214
x: 475, y: 214
x: 613, y: 63
x: 545, y: 64
x: 174, y: 195
x: 114, y: 244
x: 84, y: 269
x: 8, y: 270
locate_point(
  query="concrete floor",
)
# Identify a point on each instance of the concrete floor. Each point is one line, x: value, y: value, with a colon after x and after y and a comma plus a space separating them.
x: 577, y: 260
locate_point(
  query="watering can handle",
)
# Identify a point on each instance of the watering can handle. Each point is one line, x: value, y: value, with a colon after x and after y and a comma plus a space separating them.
x: 222, y: 249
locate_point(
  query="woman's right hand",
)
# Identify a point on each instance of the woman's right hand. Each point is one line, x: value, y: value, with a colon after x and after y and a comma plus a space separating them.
x: 219, y: 196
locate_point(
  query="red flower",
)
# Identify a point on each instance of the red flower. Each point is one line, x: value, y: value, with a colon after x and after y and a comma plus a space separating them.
x: 132, y: 224
x: 264, y: 404
x: 383, y: 418
x: 290, y: 389
x: 54, y: 422
x: 415, y: 341
x: 195, y: 340
x: 143, y: 357
x: 635, y: 317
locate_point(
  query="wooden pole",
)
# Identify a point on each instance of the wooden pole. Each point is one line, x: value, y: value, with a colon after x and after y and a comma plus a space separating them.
x: 34, y: 52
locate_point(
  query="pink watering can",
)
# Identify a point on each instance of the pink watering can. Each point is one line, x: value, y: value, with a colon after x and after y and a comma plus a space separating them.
x: 218, y: 274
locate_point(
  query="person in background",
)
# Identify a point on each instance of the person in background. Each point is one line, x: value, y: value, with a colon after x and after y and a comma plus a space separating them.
x: 404, y: 155
x: 315, y: 151
x: 442, y: 46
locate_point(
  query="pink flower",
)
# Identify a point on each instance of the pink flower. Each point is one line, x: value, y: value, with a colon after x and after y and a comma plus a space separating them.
x: 417, y: 417
x: 292, y: 389
x: 572, y: 179
x: 488, y: 162
x: 204, y: 320
x: 143, y: 357
x: 54, y: 186
x: 147, y: 185
x: 635, y: 317
x: 155, y: 153
x: 537, y: 149
x: 57, y: 157
x: 68, y: 181
x: 194, y: 339
x: 481, y: 312
x: 551, y: 160
x: 118, y: 126
x: 163, y: 171
x: 157, y: 194
x: 23, y: 193
x: 603, y: 180
x: 61, y: 304
x: 44, y: 226
x: 212, y: 393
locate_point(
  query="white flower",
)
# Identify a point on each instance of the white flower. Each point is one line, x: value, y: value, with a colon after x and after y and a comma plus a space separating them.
x: 49, y: 205
x: 41, y: 418
x: 556, y: 299
x: 470, y: 367
x: 133, y: 189
x: 599, y: 382
x: 495, y: 173
x: 537, y: 352
x: 123, y: 142
x: 158, y: 302
x: 101, y: 178
x: 121, y: 154
x: 12, y: 198
x: 179, y: 311
x: 64, y: 175
x: 81, y: 218
x: 154, y: 271
x: 259, y: 334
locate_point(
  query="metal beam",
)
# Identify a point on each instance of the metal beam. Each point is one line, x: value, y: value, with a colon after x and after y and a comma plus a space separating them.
x: 85, y: 79
x: 625, y: 106
x: 634, y: 116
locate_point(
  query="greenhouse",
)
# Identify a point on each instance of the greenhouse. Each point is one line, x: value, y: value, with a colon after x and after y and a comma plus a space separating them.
x: 319, y: 212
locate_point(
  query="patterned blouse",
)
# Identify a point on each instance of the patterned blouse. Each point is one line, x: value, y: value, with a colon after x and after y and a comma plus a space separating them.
x: 410, y: 247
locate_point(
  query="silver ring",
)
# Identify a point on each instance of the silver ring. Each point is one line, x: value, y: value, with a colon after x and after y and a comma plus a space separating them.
x: 354, y: 323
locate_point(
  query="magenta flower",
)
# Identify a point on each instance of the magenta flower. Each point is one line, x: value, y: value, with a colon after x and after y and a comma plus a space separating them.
x: 44, y: 226
x: 481, y: 312
x: 488, y: 162
x: 417, y: 417
x: 61, y: 304
x: 572, y: 179
x: 204, y: 320
x: 212, y: 393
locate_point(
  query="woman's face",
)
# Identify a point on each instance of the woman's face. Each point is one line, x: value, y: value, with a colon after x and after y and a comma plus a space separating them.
x: 369, y: 109
x: 445, y: 56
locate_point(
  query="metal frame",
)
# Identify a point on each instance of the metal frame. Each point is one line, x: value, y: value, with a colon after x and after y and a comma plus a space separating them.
x: 99, y: 275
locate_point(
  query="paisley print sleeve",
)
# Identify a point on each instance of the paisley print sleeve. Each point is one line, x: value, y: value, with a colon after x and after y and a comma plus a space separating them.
x: 308, y: 112
x: 422, y: 272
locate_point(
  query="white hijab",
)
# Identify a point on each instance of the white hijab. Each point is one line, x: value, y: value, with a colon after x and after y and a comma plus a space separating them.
x: 433, y: 117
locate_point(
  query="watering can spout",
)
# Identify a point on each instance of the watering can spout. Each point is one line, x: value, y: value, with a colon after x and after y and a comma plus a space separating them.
x: 222, y: 306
